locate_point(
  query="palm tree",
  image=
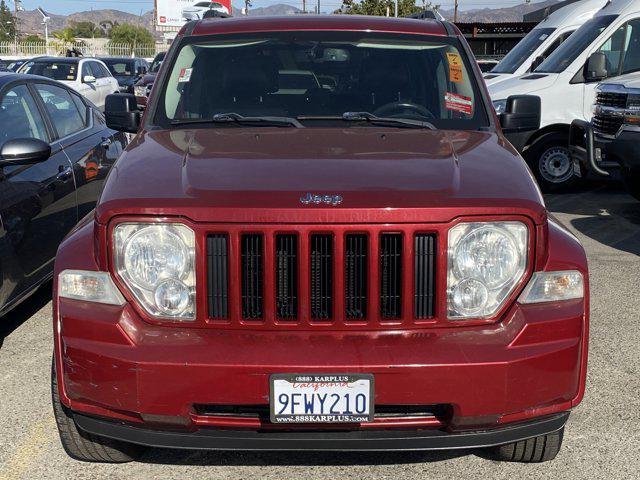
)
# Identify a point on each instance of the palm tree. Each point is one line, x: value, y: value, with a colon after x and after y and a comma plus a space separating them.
x: 65, y: 35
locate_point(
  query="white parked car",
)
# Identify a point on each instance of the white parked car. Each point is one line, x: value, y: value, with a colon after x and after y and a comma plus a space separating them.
x: 543, y: 40
x: 87, y: 76
x: 605, y: 47
x: 197, y: 10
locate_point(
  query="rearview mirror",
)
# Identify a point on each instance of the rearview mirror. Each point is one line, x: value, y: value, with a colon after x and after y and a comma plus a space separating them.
x: 88, y: 79
x: 521, y: 114
x: 596, y: 69
x: 24, y: 151
x: 122, y: 113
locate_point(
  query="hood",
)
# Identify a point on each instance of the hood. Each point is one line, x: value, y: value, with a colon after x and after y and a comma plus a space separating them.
x: 253, y: 175
x: 529, y: 83
x: 631, y: 80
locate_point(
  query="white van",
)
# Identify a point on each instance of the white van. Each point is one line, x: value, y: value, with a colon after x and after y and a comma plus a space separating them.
x: 605, y: 47
x: 543, y: 40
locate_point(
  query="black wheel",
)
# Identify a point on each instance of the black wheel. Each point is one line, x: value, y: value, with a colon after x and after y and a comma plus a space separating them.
x: 534, y: 450
x: 85, y: 446
x: 551, y: 162
x: 631, y: 180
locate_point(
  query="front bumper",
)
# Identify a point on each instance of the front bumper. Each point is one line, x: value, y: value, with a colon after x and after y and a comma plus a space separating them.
x: 114, y: 365
x: 614, y: 150
x: 355, y: 440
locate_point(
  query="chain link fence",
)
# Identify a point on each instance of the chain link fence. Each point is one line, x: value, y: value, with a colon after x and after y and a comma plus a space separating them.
x: 56, y: 48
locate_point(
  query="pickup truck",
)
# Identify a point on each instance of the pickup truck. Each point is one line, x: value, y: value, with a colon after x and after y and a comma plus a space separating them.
x: 608, y: 145
x: 363, y: 262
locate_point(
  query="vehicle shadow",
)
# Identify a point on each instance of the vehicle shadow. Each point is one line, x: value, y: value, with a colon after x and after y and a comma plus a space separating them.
x: 23, y: 312
x: 296, y: 459
x: 606, y: 213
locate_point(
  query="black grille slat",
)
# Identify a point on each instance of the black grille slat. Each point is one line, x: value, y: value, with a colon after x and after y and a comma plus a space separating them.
x: 218, y: 276
x: 424, y: 280
x: 612, y: 99
x: 252, y: 280
x: 391, y: 275
x: 287, y: 276
x: 321, y: 253
x: 608, y: 125
x: 355, y: 276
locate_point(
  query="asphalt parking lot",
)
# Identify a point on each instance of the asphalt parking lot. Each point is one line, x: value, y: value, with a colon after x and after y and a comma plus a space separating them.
x: 601, y: 441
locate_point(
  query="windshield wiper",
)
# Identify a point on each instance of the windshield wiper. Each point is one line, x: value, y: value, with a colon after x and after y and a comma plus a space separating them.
x: 241, y: 119
x: 371, y: 118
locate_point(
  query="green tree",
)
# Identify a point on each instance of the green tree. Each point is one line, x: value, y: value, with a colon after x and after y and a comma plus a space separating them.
x: 138, y: 38
x: 86, y: 30
x: 33, y: 39
x: 66, y: 35
x: 381, y: 7
x: 7, y: 23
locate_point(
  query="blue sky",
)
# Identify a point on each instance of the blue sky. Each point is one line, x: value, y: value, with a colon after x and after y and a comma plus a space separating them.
x: 134, y: 6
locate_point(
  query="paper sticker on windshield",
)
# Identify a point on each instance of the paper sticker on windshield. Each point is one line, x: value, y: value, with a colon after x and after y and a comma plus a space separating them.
x: 455, y: 67
x: 458, y: 103
x: 185, y: 75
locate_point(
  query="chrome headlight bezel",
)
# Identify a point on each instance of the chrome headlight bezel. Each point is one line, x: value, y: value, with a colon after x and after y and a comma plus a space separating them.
x: 473, y: 281
x: 168, y: 248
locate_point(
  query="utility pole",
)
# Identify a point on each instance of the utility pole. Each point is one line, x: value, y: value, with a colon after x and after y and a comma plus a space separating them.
x: 247, y: 4
x: 455, y: 12
x: 304, y: 6
x: 318, y: 12
x: 395, y: 8
x: 16, y: 8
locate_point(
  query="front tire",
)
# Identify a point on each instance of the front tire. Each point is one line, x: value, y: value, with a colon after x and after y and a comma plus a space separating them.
x: 85, y: 446
x: 551, y: 162
x: 534, y: 450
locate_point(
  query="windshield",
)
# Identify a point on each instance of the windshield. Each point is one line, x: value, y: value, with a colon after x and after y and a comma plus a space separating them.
x: 523, y: 50
x: 121, y: 68
x: 577, y: 43
x: 321, y: 75
x: 54, y: 70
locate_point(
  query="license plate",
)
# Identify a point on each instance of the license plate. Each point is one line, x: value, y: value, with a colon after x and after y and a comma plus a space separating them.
x: 331, y: 398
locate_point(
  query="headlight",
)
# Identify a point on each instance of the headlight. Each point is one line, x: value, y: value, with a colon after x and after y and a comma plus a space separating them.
x: 500, y: 106
x: 485, y: 263
x: 156, y: 262
x: 140, y: 91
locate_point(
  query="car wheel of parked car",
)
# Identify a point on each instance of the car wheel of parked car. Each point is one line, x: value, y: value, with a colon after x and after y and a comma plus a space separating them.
x: 550, y: 160
x: 533, y: 450
x: 631, y: 180
x: 85, y: 446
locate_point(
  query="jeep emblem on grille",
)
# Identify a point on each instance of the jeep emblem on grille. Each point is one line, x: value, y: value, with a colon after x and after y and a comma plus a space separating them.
x: 317, y: 199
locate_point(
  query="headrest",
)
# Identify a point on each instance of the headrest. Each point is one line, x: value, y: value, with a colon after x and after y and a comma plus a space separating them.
x: 250, y: 77
x: 383, y: 73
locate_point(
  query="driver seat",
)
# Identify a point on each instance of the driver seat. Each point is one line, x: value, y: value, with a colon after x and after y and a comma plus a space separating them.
x: 383, y: 79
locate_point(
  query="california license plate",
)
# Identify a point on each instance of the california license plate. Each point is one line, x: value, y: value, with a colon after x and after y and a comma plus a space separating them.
x: 332, y: 398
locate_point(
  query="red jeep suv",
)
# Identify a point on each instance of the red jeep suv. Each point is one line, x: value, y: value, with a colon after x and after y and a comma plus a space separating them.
x: 319, y: 239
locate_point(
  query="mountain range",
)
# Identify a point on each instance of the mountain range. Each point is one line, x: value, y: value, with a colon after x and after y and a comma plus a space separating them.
x: 31, y: 21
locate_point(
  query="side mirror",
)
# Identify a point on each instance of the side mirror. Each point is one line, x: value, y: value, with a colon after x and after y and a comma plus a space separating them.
x: 596, y: 68
x: 88, y: 79
x: 122, y: 113
x: 24, y: 151
x: 521, y: 114
x: 536, y: 62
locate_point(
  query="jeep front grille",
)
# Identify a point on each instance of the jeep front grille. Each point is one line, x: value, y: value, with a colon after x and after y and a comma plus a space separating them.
x: 304, y: 276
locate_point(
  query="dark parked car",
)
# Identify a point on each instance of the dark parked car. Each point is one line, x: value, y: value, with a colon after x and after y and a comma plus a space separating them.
x: 55, y: 152
x: 143, y: 87
x: 15, y: 65
x: 127, y: 71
